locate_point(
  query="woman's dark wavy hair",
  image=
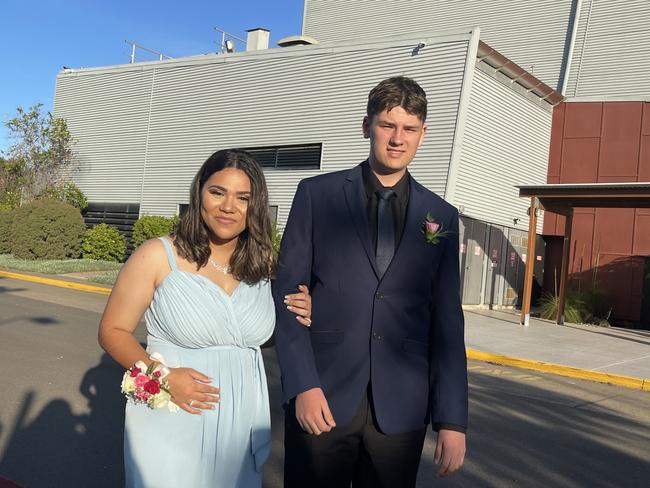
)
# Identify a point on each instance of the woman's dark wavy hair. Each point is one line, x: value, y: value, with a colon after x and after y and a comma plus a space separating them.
x: 253, y: 259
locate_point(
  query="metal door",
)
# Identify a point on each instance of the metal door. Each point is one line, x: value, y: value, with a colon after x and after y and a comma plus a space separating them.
x: 471, y: 258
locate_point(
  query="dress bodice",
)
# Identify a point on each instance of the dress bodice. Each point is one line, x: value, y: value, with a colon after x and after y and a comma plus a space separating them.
x: 190, y: 310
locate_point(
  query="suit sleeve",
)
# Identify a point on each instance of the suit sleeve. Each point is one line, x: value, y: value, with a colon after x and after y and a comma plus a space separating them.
x: 449, y: 361
x: 292, y: 341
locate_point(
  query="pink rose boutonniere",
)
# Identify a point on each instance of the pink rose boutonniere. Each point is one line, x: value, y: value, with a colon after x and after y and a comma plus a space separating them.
x: 432, y: 230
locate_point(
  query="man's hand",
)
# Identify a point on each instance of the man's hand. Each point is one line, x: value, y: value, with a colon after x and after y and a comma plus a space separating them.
x: 450, y: 452
x: 313, y: 412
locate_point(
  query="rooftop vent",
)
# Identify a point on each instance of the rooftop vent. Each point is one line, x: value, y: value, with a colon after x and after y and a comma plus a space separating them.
x: 297, y: 41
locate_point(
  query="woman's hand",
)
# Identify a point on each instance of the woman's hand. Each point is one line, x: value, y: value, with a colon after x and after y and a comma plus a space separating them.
x: 191, y: 390
x: 300, y: 304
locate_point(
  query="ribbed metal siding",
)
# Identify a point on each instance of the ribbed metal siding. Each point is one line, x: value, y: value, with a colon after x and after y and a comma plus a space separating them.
x: 107, y: 115
x: 532, y: 33
x: 318, y: 97
x: 506, y: 143
x: 611, y: 52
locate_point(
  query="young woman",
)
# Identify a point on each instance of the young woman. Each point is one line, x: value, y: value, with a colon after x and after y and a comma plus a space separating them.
x: 206, y: 298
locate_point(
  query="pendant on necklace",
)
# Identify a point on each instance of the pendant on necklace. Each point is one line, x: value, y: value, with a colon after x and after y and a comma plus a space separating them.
x: 219, y: 267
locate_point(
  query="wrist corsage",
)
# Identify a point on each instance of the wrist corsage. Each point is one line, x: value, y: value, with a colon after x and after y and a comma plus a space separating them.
x: 146, y: 384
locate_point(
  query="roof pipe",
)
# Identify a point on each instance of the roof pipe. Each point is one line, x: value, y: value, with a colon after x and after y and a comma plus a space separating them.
x: 572, y: 44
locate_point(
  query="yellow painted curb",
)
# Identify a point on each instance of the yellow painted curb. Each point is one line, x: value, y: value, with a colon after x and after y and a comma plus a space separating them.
x: 54, y: 282
x: 542, y: 367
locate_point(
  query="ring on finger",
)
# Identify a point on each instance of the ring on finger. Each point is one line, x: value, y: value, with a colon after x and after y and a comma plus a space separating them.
x: 191, y: 403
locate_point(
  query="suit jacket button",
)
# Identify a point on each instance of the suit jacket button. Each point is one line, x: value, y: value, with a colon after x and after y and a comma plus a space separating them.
x: 379, y: 295
x: 376, y: 336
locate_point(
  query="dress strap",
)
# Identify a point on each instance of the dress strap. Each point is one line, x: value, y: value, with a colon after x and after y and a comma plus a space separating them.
x: 171, y: 256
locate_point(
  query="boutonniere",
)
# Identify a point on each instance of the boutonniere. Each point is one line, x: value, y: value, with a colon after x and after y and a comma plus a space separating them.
x: 432, y: 230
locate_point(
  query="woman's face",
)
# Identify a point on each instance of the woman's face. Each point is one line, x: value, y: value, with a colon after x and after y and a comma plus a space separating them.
x: 224, y: 203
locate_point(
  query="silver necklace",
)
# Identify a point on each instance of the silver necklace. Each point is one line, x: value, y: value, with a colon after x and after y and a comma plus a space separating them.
x: 219, y: 267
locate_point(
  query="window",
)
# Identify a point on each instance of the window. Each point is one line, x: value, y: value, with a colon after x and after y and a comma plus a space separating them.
x: 302, y: 156
x: 182, y: 208
x: 273, y: 213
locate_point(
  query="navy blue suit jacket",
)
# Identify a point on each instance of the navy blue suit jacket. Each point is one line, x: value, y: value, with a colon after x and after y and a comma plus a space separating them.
x: 404, y: 333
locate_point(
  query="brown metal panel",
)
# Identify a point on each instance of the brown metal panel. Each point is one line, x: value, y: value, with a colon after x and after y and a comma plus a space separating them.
x: 580, y: 160
x: 642, y: 233
x: 645, y: 126
x: 619, y: 146
x: 550, y: 220
x: 582, y: 247
x: 582, y: 120
x: 555, y: 151
x: 644, y: 158
x: 614, y: 230
x: 621, y: 277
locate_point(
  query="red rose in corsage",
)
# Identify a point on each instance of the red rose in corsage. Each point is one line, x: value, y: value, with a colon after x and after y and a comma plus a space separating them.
x: 432, y: 230
x: 146, y: 384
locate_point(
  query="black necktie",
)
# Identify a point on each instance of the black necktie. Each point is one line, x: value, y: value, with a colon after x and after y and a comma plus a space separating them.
x: 385, y: 230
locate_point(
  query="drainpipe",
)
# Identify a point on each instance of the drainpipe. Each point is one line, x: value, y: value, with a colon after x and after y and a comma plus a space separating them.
x: 572, y: 43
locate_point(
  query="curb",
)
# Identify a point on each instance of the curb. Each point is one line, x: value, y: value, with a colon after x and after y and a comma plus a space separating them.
x: 540, y: 366
x: 558, y: 369
x: 54, y: 282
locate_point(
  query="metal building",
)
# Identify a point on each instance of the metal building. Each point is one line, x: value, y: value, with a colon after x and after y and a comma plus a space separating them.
x: 143, y: 129
x: 579, y: 47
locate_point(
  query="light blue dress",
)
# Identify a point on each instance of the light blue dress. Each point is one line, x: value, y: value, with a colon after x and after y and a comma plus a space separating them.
x: 194, y: 323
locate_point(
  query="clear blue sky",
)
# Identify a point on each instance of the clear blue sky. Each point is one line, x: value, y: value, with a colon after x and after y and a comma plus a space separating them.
x: 39, y: 37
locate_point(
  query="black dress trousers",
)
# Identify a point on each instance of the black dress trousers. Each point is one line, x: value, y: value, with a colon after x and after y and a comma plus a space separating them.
x: 357, y: 453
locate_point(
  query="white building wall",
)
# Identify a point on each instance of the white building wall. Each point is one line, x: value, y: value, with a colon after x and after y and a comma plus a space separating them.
x: 611, y: 56
x: 145, y: 129
x: 107, y: 115
x: 532, y: 33
x: 505, y: 143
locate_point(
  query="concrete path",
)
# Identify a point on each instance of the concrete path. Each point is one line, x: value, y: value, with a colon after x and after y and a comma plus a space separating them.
x: 608, y: 350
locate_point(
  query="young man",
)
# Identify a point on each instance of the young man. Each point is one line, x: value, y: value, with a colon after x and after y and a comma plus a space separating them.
x: 385, y: 355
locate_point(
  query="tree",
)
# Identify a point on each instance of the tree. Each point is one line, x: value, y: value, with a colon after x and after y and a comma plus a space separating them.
x: 40, y: 157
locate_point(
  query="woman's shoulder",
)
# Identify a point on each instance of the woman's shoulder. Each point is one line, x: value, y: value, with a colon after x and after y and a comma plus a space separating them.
x: 151, y: 254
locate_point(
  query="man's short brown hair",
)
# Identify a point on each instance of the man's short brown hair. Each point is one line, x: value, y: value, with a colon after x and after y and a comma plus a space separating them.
x: 398, y: 91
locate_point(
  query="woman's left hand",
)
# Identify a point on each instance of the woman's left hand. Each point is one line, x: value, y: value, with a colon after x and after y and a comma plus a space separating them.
x: 300, y: 304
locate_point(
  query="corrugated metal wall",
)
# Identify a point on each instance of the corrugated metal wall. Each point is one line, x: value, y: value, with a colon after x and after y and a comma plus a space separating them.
x: 108, y: 116
x: 611, y: 50
x: 506, y: 143
x: 300, y: 95
x: 532, y: 33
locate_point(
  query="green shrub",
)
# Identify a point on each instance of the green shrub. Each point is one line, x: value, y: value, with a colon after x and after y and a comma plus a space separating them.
x: 6, y: 220
x: 105, y: 243
x: 574, y: 307
x: 152, y: 226
x: 68, y: 193
x: 47, y: 229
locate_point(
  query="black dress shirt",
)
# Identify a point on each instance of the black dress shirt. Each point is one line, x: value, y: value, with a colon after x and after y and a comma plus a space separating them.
x: 399, y: 203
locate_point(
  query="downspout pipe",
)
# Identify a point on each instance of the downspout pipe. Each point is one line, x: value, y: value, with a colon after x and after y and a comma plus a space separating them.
x: 572, y: 43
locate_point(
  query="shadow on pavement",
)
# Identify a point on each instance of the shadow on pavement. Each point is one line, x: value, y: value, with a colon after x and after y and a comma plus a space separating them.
x: 56, y: 447
x: 522, y: 433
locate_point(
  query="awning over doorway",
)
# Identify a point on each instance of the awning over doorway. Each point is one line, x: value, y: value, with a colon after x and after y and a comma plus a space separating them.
x: 562, y: 199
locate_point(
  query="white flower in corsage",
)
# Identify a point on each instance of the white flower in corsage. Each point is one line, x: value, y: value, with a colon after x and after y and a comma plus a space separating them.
x: 146, y: 384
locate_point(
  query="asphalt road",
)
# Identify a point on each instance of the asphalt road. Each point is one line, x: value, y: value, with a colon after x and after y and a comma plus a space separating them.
x: 61, y: 412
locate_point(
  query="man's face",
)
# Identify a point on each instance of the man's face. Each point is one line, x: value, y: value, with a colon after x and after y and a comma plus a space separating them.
x: 395, y: 136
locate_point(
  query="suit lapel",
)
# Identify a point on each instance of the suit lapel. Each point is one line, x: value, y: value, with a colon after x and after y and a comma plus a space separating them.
x: 355, y: 199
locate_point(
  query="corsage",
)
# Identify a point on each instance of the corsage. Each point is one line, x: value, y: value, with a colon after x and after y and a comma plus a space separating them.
x: 146, y: 384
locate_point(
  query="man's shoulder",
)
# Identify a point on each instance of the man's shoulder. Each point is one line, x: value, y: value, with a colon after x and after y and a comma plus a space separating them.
x: 326, y: 180
x: 433, y: 199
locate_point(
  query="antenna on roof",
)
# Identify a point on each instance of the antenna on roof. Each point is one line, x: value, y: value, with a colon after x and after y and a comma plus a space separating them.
x: 227, y: 41
x: 133, y: 45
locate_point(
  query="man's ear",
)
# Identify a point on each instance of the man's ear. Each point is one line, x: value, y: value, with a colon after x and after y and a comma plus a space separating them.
x: 365, y: 126
x: 424, y: 132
